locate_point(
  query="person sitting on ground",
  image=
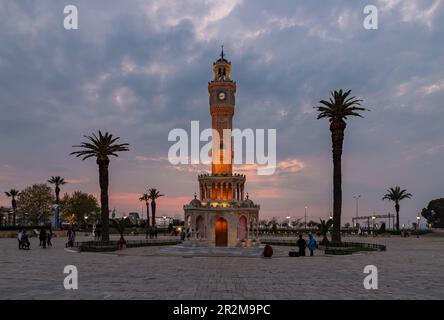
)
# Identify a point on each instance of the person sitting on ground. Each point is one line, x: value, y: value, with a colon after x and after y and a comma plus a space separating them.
x: 312, y: 245
x: 301, y: 243
x: 268, y: 251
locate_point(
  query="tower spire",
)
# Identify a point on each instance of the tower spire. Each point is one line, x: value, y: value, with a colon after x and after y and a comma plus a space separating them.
x: 222, y: 51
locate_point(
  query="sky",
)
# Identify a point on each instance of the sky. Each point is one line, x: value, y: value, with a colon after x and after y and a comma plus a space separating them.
x: 139, y: 69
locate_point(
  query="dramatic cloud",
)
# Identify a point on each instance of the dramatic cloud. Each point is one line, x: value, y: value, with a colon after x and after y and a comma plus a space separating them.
x: 140, y: 69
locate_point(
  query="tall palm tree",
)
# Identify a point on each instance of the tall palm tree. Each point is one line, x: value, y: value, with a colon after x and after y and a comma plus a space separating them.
x: 57, y: 181
x: 101, y: 147
x: 153, y: 194
x: 145, y: 197
x: 336, y: 110
x: 396, y: 195
x: 13, y: 193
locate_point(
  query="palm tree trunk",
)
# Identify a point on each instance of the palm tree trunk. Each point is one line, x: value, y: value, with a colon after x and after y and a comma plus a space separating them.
x: 57, y: 210
x: 57, y: 194
x: 14, y: 210
x: 104, y: 181
x: 397, y: 216
x: 153, y: 212
x: 148, y: 214
x: 337, y: 136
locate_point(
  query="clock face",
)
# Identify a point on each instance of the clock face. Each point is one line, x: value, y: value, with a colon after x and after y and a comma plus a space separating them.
x: 221, y: 96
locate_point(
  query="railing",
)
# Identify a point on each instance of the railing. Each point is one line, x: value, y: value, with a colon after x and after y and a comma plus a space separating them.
x: 113, y: 245
x: 379, y: 247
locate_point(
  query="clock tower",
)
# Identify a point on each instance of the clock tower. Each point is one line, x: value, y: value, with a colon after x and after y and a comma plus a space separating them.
x: 222, y: 100
x: 223, y: 214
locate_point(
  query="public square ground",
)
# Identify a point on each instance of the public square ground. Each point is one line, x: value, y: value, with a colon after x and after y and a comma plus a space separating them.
x: 411, y: 268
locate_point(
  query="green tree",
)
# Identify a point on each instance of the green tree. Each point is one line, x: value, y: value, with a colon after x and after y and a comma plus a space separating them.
x: 145, y: 198
x: 434, y: 213
x: 153, y: 194
x: 13, y: 193
x: 101, y: 148
x: 397, y: 194
x: 79, y: 204
x: 339, y: 107
x: 36, y: 201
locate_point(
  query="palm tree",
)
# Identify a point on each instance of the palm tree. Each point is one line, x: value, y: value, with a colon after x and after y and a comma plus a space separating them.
x: 12, y: 194
x: 396, y: 195
x: 57, y: 181
x: 153, y: 194
x: 120, y: 225
x: 145, y: 197
x: 324, y: 226
x: 101, y: 147
x: 336, y: 110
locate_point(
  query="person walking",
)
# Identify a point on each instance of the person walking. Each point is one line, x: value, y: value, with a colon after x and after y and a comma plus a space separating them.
x: 19, y: 238
x: 49, y: 237
x: 302, y: 244
x: 312, y: 244
x: 43, y: 237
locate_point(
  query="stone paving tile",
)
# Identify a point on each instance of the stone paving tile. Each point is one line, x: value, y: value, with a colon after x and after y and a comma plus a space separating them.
x: 411, y: 268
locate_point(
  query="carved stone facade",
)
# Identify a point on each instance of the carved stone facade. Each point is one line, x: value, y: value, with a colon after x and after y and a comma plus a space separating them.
x: 223, y: 215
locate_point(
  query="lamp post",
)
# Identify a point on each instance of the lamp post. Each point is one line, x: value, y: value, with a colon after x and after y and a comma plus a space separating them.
x: 357, y: 207
x: 86, y: 222
x: 288, y: 218
x: 305, y: 218
x: 418, y: 218
x: 373, y: 220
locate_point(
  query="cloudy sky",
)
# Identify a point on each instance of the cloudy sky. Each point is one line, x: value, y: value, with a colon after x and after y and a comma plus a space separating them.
x: 140, y: 68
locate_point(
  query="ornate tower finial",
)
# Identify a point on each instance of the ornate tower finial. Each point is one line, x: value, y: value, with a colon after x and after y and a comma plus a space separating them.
x: 247, y: 196
x: 222, y: 52
x: 195, y: 195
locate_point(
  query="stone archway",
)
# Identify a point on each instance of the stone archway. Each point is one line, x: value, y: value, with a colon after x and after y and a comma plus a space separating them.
x: 221, y: 232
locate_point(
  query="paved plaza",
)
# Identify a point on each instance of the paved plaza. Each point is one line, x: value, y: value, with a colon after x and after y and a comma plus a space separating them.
x: 411, y: 268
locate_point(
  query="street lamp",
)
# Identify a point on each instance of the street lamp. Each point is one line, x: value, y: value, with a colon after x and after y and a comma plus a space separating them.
x: 86, y: 222
x: 288, y: 218
x: 305, y: 217
x: 418, y: 218
x: 373, y: 220
x: 357, y: 206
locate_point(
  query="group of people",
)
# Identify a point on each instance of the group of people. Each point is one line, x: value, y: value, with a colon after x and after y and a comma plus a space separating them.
x: 302, y: 244
x: 151, y: 232
x: 97, y: 232
x: 45, y: 237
